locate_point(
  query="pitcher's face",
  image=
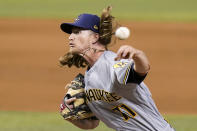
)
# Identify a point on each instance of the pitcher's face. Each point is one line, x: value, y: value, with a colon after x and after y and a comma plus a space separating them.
x: 80, y: 40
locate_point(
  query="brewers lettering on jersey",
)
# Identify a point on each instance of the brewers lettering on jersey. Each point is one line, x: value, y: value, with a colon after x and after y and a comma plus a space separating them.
x: 114, y: 87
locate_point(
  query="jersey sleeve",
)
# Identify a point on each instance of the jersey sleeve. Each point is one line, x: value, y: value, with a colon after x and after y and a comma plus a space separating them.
x: 125, y: 73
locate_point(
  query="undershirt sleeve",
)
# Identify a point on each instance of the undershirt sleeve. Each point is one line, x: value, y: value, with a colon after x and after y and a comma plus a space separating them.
x: 134, y: 77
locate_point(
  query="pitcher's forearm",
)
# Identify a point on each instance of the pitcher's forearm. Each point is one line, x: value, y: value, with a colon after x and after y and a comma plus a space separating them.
x: 142, y: 65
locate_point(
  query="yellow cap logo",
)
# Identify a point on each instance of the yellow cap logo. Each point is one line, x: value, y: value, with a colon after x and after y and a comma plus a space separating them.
x: 96, y: 27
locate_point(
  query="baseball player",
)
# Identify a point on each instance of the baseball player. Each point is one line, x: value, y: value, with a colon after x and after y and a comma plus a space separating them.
x: 114, y: 86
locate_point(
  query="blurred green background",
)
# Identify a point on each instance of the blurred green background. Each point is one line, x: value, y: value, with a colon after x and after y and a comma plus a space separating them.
x: 50, y: 121
x: 152, y: 10
x: 136, y: 10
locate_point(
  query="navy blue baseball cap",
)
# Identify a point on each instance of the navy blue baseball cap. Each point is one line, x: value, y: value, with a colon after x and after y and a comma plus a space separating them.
x: 85, y: 21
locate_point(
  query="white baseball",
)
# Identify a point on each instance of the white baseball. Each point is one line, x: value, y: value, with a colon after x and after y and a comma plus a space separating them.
x: 122, y: 33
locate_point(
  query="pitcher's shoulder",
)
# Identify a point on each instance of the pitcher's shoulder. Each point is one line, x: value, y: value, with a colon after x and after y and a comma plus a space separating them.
x: 109, y: 55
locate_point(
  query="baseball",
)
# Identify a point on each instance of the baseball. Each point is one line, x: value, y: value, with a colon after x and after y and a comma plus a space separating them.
x: 122, y: 33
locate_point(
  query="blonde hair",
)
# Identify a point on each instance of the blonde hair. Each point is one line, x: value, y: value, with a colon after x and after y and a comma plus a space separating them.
x: 106, y: 28
x: 70, y: 59
x: 105, y: 35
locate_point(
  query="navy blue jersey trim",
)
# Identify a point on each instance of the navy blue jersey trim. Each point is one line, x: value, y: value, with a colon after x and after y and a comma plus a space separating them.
x: 134, y: 77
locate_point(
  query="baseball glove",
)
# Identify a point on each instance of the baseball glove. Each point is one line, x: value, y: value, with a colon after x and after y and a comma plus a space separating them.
x: 80, y: 108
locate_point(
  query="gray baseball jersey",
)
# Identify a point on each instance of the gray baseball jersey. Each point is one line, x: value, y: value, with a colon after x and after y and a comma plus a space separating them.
x: 121, y: 105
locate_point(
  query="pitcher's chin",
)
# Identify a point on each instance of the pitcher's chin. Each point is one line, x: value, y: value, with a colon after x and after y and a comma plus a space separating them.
x: 73, y: 50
